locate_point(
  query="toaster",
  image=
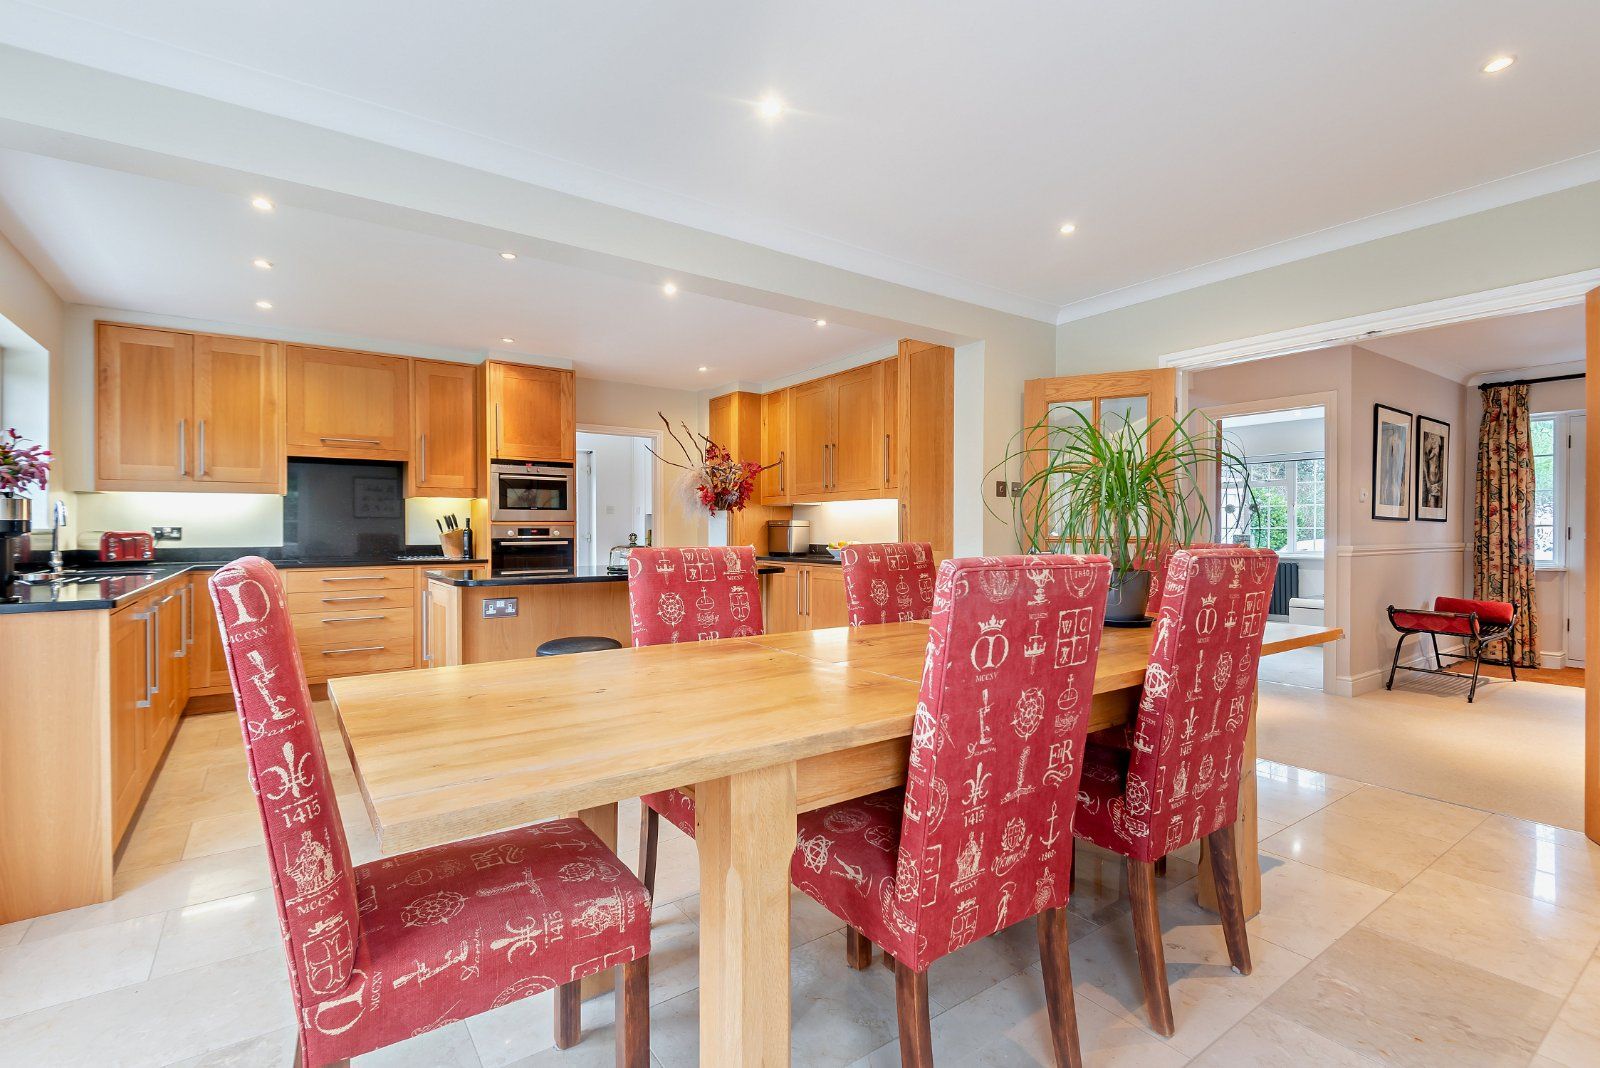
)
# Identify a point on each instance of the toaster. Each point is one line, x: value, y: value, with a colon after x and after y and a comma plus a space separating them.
x: 127, y: 545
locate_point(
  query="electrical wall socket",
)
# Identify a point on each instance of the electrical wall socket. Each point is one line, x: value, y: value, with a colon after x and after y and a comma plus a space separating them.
x: 999, y: 487
x: 167, y: 533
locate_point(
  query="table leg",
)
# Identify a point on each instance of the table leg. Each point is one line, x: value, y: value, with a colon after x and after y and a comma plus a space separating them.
x: 602, y: 820
x: 1246, y: 841
x: 744, y: 830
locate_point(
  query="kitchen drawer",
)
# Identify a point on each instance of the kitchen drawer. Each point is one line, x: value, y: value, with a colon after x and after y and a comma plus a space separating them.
x: 345, y: 579
x: 322, y: 630
x: 357, y: 658
x: 334, y: 599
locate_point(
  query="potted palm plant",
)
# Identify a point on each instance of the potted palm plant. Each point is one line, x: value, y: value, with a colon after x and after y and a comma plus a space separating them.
x: 1126, y: 488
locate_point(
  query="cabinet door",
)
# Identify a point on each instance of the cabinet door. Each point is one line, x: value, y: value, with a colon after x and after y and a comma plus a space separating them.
x: 130, y: 667
x: 889, y: 371
x: 775, y: 447
x: 208, y: 669
x: 238, y: 394
x: 811, y: 433
x: 144, y: 405
x: 173, y: 652
x: 355, y: 404
x: 533, y: 412
x: 826, y: 604
x: 783, y: 601
x: 856, y: 465
x: 444, y: 417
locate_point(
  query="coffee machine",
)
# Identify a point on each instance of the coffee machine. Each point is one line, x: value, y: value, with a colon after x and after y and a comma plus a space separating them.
x: 16, y: 519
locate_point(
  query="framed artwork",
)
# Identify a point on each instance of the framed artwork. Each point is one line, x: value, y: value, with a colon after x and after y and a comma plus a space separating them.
x: 1433, y: 469
x: 1391, y: 463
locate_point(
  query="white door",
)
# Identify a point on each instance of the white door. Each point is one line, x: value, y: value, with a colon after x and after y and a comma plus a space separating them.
x: 1577, y: 426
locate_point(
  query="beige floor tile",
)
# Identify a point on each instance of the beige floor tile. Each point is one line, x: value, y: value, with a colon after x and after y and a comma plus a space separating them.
x: 158, y: 1021
x: 38, y: 973
x: 271, y: 1050
x: 1410, y: 1006
x: 152, y: 845
x: 1285, y: 794
x: 217, y: 930
x: 450, y: 1046
x: 1208, y: 997
x: 1306, y: 909
x: 1545, y: 863
x: 1373, y: 853
x: 1100, y: 883
x: 1265, y: 1039
x: 514, y: 1032
x: 1574, y: 1041
x: 1408, y: 812
x: 1530, y: 942
x: 221, y: 834
x: 12, y: 933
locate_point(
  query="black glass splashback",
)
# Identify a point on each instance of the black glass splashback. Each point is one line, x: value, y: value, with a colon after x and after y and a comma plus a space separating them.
x: 344, y: 508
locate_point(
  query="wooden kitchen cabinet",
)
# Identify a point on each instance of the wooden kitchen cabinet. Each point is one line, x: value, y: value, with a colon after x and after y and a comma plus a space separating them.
x: 532, y: 412
x: 783, y: 601
x: 811, y: 415
x: 132, y: 635
x: 208, y: 667
x: 826, y: 603
x: 185, y: 412
x: 444, y: 418
x: 856, y: 464
x: 775, y: 447
x: 341, y: 403
x: 889, y: 379
x: 806, y: 597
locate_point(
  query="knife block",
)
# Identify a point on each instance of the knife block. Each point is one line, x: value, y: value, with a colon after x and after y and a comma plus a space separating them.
x: 453, y: 544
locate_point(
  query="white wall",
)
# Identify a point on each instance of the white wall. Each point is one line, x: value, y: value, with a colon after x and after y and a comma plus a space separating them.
x: 31, y: 322
x: 851, y: 521
x: 622, y: 494
x: 1275, y: 439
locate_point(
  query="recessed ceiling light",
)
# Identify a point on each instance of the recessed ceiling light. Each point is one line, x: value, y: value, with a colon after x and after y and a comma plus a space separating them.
x: 261, y: 203
x: 670, y: 289
x: 1498, y: 64
x: 822, y: 322
x: 1069, y: 228
x: 264, y: 305
x: 703, y: 370
x: 508, y: 255
x: 770, y: 107
x: 508, y: 341
x: 264, y: 264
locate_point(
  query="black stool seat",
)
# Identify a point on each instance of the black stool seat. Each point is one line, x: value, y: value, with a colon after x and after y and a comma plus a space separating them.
x: 578, y: 643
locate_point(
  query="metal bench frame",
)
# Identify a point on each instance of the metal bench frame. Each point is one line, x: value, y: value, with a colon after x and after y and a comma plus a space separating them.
x: 1481, y: 634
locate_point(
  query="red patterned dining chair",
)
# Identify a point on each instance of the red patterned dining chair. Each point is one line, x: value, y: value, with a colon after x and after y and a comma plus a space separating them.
x: 1179, y: 780
x: 888, y: 582
x: 687, y: 595
x: 384, y: 951
x: 980, y: 837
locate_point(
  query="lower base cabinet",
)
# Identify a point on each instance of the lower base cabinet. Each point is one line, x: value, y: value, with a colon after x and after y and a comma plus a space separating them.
x: 806, y: 597
x: 150, y: 642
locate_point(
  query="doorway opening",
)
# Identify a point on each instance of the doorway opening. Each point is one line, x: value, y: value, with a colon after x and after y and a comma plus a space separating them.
x: 616, y: 490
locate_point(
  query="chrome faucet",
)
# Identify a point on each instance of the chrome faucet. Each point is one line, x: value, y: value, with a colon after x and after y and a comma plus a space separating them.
x: 58, y: 522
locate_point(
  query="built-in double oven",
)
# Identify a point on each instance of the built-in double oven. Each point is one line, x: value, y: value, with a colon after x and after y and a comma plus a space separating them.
x: 532, y: 550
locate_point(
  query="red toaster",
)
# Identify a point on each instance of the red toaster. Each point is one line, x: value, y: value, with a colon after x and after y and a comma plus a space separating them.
x: 127, y: 545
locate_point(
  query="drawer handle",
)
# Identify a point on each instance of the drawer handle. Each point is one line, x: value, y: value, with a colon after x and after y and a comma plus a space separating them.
x: 353, y: 441
x: 354, y: 619
x: 354, y: 578
x: 356, y: 597
x: 357, y: 649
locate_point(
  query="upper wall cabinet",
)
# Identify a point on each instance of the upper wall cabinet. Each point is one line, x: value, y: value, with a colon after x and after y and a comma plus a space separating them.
x: 532, y: 413
x: 444, y: 418
x: 348, y: 404
x: 179, y: 411
x: 836, y: 435
x: 775, y: 480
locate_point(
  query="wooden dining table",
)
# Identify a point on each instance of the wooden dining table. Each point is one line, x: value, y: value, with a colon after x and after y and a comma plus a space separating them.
x: 758, y: 728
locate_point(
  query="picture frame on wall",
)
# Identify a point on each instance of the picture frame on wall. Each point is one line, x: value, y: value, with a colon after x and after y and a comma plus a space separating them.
x: 1433, y: 469
x: 1391, y: 463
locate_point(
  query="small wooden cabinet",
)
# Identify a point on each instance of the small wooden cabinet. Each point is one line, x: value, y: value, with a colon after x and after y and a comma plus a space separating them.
x: 806, y: 597
x: 348, y: 404
x: 179, y: 411
x: 889, y: 387
x: 839, y: 441
x: 775, y: 447
x: 352, y: 621
x: 532, y: 412
x: 150, y: 642
x: 444, y: 418
x: 811, y: 420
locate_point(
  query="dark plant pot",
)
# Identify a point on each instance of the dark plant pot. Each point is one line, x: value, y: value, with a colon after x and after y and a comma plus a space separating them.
x: 1128, y: 599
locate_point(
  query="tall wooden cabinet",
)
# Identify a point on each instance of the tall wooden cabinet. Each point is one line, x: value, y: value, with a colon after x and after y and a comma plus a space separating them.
x: 444, y: 418
x: 776, y: 480
x: 180, y: 411
x: 532, y: 413
x: 348, y: 404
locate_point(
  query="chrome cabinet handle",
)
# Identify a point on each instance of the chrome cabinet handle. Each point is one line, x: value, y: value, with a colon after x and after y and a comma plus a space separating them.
x: 355, y: 649
x: 183, y: 448
x: 155, y: 659
x: 184, y: 601
x: 353, y: 578
x: 423, y: 442
x: 149, y: 660
x: 356, y: 597
x: 499, y: 446
x: 886, y: 459
x: 200, y: 436
x: 354, y: 619
x: 353, y: 441
x: 782, y: 480
x: 427, y: 651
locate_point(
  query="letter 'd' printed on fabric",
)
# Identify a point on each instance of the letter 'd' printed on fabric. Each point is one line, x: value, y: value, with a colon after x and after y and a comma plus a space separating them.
x: 888, y: 582
x: 1178, y: 780
x: 694, y: 594
x: 981, y: 836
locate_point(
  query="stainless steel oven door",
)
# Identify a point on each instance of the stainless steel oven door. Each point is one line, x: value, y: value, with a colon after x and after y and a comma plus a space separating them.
x: 527, y: 493
x: 535, y: 555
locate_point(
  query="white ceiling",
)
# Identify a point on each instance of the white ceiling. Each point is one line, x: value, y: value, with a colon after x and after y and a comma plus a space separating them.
x: 1485, y: 346
x: 124, y: 241
x: 936, y: 145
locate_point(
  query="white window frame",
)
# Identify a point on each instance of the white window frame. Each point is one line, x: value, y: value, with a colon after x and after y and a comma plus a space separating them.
x: 1562, y: 450
x: 1290, y: 457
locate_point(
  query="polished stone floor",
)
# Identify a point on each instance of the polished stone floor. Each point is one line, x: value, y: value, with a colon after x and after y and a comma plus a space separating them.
x: 1395, y: 930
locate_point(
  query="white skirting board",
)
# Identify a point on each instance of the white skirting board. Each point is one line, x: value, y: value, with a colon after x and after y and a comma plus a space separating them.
x: 1367, y: 681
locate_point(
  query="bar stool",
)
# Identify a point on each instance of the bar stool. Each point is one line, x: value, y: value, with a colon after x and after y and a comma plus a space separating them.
x: 578, y: 643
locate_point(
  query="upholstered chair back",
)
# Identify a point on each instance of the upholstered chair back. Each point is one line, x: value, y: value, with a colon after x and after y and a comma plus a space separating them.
x: 997, y: 746
x: 1187, y: 749
x: 888, y: 582
x: 694, y: 594
x: 312, y: 878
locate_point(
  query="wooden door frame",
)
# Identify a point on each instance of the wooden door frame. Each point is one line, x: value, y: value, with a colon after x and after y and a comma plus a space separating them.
x: 1591, y: 559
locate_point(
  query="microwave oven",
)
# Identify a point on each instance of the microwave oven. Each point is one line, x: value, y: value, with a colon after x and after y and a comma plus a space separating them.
x: 531, y: 493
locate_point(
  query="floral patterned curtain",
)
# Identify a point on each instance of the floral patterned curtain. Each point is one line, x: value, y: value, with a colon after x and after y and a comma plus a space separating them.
x: 1503, y: 526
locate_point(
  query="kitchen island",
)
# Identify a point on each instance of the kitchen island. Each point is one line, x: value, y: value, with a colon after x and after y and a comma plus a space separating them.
x: 472, y: 618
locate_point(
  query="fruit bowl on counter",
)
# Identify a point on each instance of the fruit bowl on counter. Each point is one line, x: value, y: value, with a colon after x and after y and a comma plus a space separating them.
x: 836, y: 548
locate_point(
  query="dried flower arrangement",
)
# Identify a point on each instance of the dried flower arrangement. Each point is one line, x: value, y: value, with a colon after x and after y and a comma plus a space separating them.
x: 22, y: 467
x: 712, y: 478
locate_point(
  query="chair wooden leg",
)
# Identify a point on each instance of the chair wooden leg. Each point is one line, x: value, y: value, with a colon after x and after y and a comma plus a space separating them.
x: 916, y: 1029
x: 1225, y: 872
x: 888, y: 961
x: 1058, y: 999
x: 1161, y: 867
x: 633, y: 1015
x: 569, y: 1014
x: 857, y: 949
x: 649, y: 837
x: 1147, y: 937
x: 300, y: 1059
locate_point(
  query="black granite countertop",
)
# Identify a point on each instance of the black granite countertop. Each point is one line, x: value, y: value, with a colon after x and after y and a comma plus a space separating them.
x: 582, y: 573
x: 802, y: 558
